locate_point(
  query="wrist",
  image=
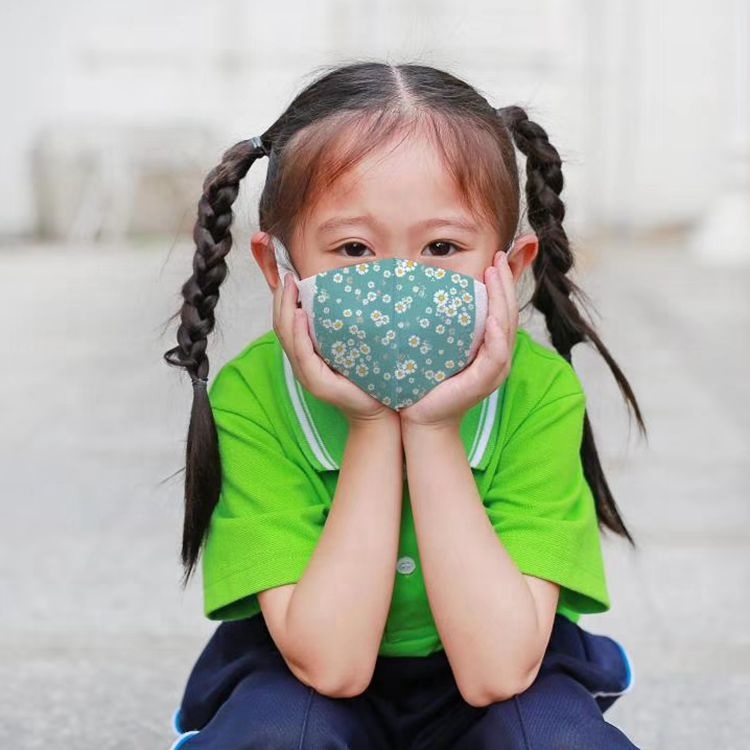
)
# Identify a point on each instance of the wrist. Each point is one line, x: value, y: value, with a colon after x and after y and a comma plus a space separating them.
x: 410, y: 427
x: 387, y: 419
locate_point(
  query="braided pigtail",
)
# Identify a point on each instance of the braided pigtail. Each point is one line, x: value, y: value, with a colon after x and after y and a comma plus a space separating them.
x: 554, y: 290
x: 213, y: 241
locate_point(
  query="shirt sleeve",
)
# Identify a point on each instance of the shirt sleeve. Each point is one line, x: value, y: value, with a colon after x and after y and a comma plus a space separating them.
x: 542, y: 507
x: 269, y: 516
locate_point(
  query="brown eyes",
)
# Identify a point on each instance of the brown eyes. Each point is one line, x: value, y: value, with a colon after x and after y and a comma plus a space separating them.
x: 357, y: 245
x: 442, y: 246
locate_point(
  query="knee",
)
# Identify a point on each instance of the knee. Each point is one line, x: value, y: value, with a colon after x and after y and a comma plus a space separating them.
x: 562, y: 730
x: 326, y: 722
x: 332, y: 722
x: 586, y: 734
x: 320, y: 722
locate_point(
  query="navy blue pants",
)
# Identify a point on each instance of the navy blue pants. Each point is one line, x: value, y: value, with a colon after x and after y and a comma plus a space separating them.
x: 241, y: 695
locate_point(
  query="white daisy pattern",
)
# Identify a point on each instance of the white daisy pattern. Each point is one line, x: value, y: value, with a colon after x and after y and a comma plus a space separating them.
x: 390, y: 325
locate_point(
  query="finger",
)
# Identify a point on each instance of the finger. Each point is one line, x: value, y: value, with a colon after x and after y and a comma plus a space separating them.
x: 292, y: 319
x: 496, y: 337
x: 509, y: 296
x: 302, y: 342
x: 496, y: 342
x: 287, y: 307
x: 496, y: 354
x: 496, y: 307
x: 501, y: 263
x: 307, y: 361
x: 277, y: 296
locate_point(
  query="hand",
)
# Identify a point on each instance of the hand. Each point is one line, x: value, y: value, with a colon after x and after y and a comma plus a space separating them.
x: 291, y: 326
x: 447, y: 403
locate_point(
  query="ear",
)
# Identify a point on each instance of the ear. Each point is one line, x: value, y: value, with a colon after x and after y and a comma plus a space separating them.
x: 522, y: 254
x: 262, y: 250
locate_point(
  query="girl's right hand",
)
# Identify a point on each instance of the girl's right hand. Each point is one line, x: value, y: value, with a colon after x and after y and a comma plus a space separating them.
x: 291, y: 326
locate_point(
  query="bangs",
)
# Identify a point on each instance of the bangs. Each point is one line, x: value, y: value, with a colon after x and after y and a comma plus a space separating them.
x: 474, y: 153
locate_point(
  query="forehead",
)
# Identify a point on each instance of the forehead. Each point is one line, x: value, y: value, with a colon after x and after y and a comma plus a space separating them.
x: 399, y: 182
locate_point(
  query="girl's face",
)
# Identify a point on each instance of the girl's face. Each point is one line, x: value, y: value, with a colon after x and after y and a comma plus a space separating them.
x: 401, y: 204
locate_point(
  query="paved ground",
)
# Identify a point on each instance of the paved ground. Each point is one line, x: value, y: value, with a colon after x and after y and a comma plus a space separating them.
x: 96, y: 637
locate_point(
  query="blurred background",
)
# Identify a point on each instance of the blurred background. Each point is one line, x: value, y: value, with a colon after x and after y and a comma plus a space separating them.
x: 115, y: 112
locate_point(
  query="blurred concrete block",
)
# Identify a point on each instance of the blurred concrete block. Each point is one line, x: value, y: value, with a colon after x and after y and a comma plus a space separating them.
x: 98, y: 180
x: 723, y: 234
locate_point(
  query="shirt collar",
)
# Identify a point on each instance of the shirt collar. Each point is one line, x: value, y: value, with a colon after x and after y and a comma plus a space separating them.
x: 322, y: 429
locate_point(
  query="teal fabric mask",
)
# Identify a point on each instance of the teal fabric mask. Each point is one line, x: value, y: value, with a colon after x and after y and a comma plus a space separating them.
x: 394, y: 327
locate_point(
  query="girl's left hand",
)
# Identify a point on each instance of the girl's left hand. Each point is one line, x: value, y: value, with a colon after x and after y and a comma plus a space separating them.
x: 447, y: 403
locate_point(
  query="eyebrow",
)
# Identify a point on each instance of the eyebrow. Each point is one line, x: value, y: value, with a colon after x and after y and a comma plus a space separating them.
x: 339, y: 222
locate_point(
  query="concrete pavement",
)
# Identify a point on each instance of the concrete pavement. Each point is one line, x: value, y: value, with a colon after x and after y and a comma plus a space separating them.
x: 97, y: 639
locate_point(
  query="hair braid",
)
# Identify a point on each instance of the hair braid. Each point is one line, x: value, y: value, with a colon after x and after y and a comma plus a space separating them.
x: 554, y: 289
x: 328, y: 128
x: 213, y: 241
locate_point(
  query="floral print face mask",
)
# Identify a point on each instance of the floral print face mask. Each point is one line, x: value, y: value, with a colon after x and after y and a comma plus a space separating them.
x: 394, y: 327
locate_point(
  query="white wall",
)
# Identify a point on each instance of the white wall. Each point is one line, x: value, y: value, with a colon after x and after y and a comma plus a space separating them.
x: 634, y: 94
x: 661, y: 108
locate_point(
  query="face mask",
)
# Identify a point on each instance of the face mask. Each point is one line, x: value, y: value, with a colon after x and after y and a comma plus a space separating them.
x: 396, y: 328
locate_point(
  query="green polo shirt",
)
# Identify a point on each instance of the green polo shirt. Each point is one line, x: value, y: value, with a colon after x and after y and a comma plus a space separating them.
x: 281, y: 449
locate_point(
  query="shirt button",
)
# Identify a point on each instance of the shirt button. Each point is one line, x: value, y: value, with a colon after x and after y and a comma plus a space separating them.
x: 405, y: 565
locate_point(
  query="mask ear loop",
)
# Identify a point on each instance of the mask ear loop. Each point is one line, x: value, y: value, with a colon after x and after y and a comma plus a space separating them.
x: 283, y: 260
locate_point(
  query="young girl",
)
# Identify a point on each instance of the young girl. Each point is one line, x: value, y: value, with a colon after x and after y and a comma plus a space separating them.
x: 397, y: 487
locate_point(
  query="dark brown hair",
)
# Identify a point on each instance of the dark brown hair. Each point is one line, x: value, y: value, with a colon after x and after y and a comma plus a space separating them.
x: 331, y: 125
